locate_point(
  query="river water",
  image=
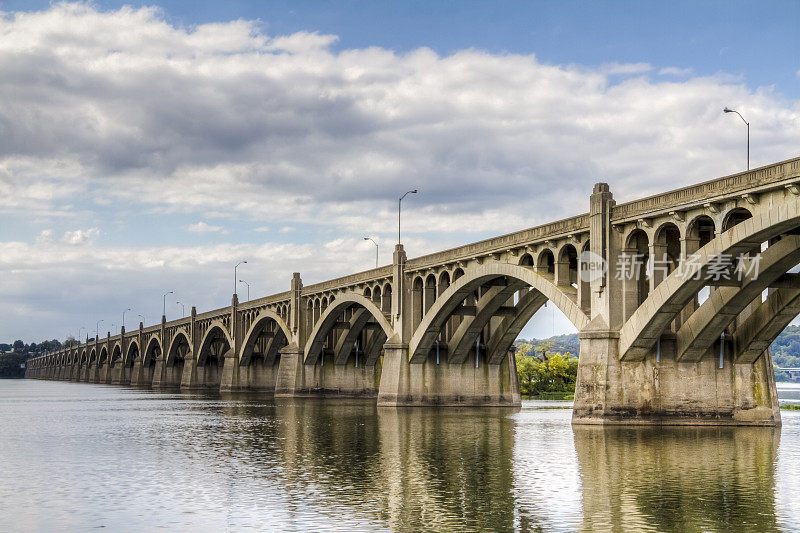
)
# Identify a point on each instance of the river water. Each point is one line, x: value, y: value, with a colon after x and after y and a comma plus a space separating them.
x: 76, y: 456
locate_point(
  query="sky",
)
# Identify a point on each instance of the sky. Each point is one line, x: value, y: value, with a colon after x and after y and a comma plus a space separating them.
x: 147, y: 148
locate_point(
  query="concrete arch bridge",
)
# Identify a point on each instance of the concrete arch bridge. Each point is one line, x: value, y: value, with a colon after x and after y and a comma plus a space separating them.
x: 676, y: 298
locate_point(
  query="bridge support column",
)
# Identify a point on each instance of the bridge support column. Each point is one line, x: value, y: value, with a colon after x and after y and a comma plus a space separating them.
x: 290, y: 371
x: 428, y: 383
x: 231, y: 379
x: 206, y: 376
x: 660, y: 390
x: 166, y: 377
x: 141, y: 376
x: 120, y: 374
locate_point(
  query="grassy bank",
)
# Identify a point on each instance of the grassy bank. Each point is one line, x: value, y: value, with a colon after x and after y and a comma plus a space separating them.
x: 791, y: 407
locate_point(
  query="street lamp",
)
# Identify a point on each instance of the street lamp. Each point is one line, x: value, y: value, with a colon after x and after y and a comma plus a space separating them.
x: 234, y: 274
x: 248, y: 288
x: 399, y: 204
x: 182, y: 307
x: 164, y: 313
x: 376, y: 247
x: 123, y: 316
x: 144, y: 320
x: 726, y: 110
x: 79, y: 333
x: 97, y: 330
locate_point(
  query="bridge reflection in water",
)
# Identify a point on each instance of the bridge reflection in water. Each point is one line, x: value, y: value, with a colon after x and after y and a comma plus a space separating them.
x: 421, y: 469
x: 238, y: 461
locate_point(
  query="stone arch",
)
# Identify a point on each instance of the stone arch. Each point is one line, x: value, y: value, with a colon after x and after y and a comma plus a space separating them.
x: 377, y: 295
x: 424, y: 336
x: 103, y: 356
x: 133, y: 352
x: 567, y: 265
x: 708, y: 322
x: 644, y: 327
x: 699, y: 231
x: 116, y: 355
x: 251, y: 338
x: 526, y: 260
x: 326, y: 322
x: 546, y: 262
x: 636, y: 281
x: 386, y: 302
x: 368, y: 293
x: 179, y: 348
x: 768, y: 320
x: 417, y: 310
x: 735, y: 216
x: 429, y: 296
x: 214, y: 344
x: 83, y: 357
x: 152, y: 352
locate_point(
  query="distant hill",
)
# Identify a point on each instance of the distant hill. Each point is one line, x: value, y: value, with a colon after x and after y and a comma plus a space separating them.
x: 785, y: 349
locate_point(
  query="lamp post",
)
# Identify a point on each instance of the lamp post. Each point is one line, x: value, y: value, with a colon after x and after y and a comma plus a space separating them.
x: 726, y: 110
x: 248, y: 288
x: 234, y: 274
x: 182, y: 307
x: 123, y: 316
x: 164, y: 313
x: 399, y: 205
x: 97, y: 330
x: 79, y: 333
x: 144, y: 320
x: 376, y: 248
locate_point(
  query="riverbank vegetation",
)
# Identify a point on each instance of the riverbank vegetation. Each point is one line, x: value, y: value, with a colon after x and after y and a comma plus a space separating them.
x: 545, y: 374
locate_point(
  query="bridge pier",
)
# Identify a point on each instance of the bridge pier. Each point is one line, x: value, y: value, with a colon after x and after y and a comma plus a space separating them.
x: 206, y: 375
x: 119, y: 374
x: 167, y: 376
x: 443, y: 384
x: 141, y: 375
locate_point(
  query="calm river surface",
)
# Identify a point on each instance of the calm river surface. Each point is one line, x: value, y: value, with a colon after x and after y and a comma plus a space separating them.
x: 76, y: 456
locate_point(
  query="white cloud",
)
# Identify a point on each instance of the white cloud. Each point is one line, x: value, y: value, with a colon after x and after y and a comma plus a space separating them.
x: 675, y: 71
x: 287, y: 229
x: 262, y: 229
x: 202, y: 227
x: 79, y: 236
x: 45, y: 237
x: 220, y: 119
x: 111, y: 111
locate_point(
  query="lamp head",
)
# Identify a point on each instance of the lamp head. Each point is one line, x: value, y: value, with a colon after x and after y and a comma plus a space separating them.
x: 414, y: 191
x: 726, y: 110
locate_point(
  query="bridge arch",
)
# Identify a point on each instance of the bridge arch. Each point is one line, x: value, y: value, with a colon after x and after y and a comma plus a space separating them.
x: 152, y: 352
x: 179, y: 348
x: 648, y: 321
x: 116, y: 355
x: 214, y: 344
x: 328, y: 319
x: 281, y: 335
x: 133, y: 352
x: 735, y: 216
x: 426, y: 334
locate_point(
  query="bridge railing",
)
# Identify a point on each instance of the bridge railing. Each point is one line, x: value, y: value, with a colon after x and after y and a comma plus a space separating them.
x: 751, y: 180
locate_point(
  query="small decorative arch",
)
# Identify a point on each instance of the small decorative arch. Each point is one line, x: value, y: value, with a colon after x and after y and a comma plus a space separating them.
x: 546, y: 262
x: 526, y: 260
x: 735, y: 216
